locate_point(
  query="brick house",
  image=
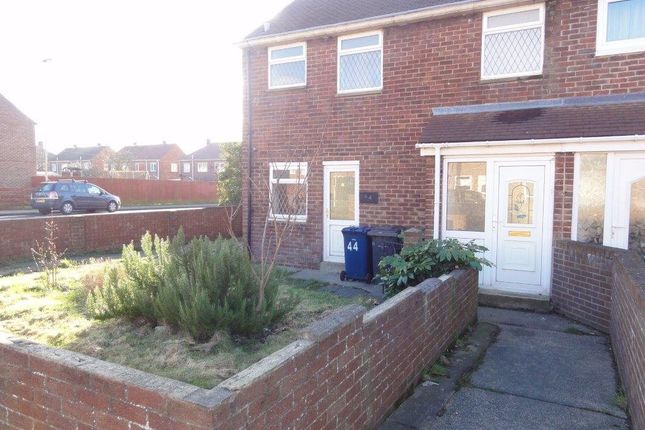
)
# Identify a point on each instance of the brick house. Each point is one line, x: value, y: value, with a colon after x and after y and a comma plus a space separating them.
x: 155, y: 161
x: 204, y: 164
x: 93, y: 160
x: 17, y: 155
x: 512, y: 123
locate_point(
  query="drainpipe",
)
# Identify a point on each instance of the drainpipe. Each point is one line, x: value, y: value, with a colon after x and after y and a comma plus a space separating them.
x: 249, y: 212
x: 437, y: 191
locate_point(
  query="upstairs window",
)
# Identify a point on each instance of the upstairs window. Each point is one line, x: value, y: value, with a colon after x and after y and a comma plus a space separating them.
x: 288, y: 66
x: 513, y: 42
x: 621, y: 26
x: 360, y: 62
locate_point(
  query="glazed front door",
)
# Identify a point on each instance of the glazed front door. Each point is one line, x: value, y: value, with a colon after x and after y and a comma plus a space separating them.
x: 518, y: 226
x: 340, y: 206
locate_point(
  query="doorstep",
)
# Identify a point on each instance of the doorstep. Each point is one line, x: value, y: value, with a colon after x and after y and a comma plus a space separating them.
x: 505, y: 300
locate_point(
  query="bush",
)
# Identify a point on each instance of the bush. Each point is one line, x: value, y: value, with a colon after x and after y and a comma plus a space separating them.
x: 428, y: 259
x: 230, y: 180
x: 201, y: 287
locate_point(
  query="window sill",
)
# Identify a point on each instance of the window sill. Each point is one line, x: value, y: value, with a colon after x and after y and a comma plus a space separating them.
x: 293, y: 87
x: 360, y: 93
x: 511, y: 78
x: 604, y: 51
x: 285, y: 219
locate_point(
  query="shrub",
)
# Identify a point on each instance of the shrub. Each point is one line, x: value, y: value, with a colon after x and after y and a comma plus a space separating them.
x: 428, y: 259
x: 230, y: 180
x: 200, y: 287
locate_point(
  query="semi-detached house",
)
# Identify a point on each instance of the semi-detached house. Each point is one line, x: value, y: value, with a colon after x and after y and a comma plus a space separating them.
x: 511, y: 123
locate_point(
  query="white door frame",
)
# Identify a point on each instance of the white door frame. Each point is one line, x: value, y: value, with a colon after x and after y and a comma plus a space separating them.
x: 338, y: 166
x: 488, y: 237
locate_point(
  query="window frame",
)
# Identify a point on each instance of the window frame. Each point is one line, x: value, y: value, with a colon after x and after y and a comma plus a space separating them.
x: 340, y: 52
x: 204, y: 165
x: 303, y: 166
x: 509, y: 28
x: 183, y: 167
x: 603, y: 47
x: 153, y: 167
x: 174, y: 168
x: 287, y: 60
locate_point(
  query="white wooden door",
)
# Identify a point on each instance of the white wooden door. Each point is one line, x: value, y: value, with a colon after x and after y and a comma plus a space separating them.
x: 625, y: 208
x: 519, y: 228
x: 341, y: 207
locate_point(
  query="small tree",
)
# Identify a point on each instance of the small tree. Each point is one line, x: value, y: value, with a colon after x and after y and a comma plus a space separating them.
x: 230, y: 180
x: 47, y: 256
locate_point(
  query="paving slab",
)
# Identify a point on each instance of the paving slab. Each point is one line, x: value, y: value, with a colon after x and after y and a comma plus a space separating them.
x: 338, y: 287
x: 530, y: 320
x: 568, y: 369
x: 476, y: 409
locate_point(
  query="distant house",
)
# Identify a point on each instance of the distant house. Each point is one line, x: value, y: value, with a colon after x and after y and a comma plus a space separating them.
x: 17, y: 155
x: 157, y: 161
x: 205, y: 164
x: 43, y: 158
x: 92, y: 160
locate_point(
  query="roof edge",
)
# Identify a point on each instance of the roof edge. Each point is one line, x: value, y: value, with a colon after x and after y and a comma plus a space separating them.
x: 529, y: 142
x: 459, y: 7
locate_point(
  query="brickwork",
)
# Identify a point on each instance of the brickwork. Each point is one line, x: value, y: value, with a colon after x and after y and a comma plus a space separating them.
x: 427, y: 64
x: 563, y: 195
x: 628, y: 330
x: 347, y: 371
x: 107, y: 232
x: 17, y: 155
x: 582, y: 282
x: 142, y: 191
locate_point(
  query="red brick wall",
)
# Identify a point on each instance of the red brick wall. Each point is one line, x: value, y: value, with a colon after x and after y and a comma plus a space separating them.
x: 106, y: 232
x: 174, y: 155
x: 427, y: 64
x: 17, y: 156
x: 141, y: 191
x: 347, y: 372
x: 628, y: 331
x: 582, y: 282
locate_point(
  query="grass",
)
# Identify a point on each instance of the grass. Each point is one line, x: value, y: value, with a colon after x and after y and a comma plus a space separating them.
x: 620, y: 399
x: 59, y: 319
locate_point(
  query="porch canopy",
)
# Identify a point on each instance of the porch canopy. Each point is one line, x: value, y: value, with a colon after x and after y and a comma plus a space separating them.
x: 536, y: 123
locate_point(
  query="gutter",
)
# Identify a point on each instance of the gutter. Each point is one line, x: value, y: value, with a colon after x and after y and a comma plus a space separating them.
x: 563, y: 141
x: 399, y: 18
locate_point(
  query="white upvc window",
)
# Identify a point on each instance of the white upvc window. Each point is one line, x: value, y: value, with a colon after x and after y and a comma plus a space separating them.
x: 513, y: 42
x: 174, y: 168
x: 186, y: 167
x: 288, y: 191
x: 288, y: 66
x: 360, y: 62
x: 621, y: 27
x: 153, y: 167
x: 54, y: 167
x: 202, y: 167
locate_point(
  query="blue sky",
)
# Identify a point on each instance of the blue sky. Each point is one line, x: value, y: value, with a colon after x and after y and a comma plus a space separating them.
x: 121, y: 71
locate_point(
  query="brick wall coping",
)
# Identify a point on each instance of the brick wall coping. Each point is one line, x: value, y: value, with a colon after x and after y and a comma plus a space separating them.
x: 634, y: 266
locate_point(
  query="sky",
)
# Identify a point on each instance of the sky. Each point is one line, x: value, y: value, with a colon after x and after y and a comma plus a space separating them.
x: 117, y: 72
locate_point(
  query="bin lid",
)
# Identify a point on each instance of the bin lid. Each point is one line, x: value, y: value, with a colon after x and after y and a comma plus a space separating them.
x: 356, y: 229
x: 386, y: 231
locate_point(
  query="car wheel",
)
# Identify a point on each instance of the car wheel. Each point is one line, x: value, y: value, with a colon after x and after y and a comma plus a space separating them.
x: 67, y: 208
x: 112, y: 206
x: 44, y: 211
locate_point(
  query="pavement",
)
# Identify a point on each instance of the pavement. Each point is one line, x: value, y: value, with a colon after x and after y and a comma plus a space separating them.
x: 539, y: 371
x: 32, y: 213
x: 338, y: 287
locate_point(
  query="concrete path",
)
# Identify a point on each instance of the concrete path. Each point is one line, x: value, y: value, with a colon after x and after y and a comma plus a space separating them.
x: 541, y: 372
x: 338, y: 287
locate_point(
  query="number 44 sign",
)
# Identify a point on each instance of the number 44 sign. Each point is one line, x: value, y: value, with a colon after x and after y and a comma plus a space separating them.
x: 352, y: 245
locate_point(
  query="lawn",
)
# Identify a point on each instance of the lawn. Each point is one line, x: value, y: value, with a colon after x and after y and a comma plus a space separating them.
x: 59, y: 318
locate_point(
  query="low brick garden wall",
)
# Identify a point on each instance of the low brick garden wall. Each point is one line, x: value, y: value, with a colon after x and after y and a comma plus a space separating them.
x: 84, y: 233
x: 346, y: 371
x: 627, y: 330
x: 605, y: 288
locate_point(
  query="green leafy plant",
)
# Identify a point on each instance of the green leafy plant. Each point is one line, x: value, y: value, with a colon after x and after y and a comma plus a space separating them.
x: 428, y: 259
x: 230, y: 180
x: 200, y: 287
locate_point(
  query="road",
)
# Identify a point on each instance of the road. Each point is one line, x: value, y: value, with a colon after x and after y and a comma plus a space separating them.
x: 32, y: 213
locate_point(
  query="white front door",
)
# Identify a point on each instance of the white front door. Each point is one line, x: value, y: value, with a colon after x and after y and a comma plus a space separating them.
x: 625, y: 217
x: 341, y: 208
x: 519, y: 225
